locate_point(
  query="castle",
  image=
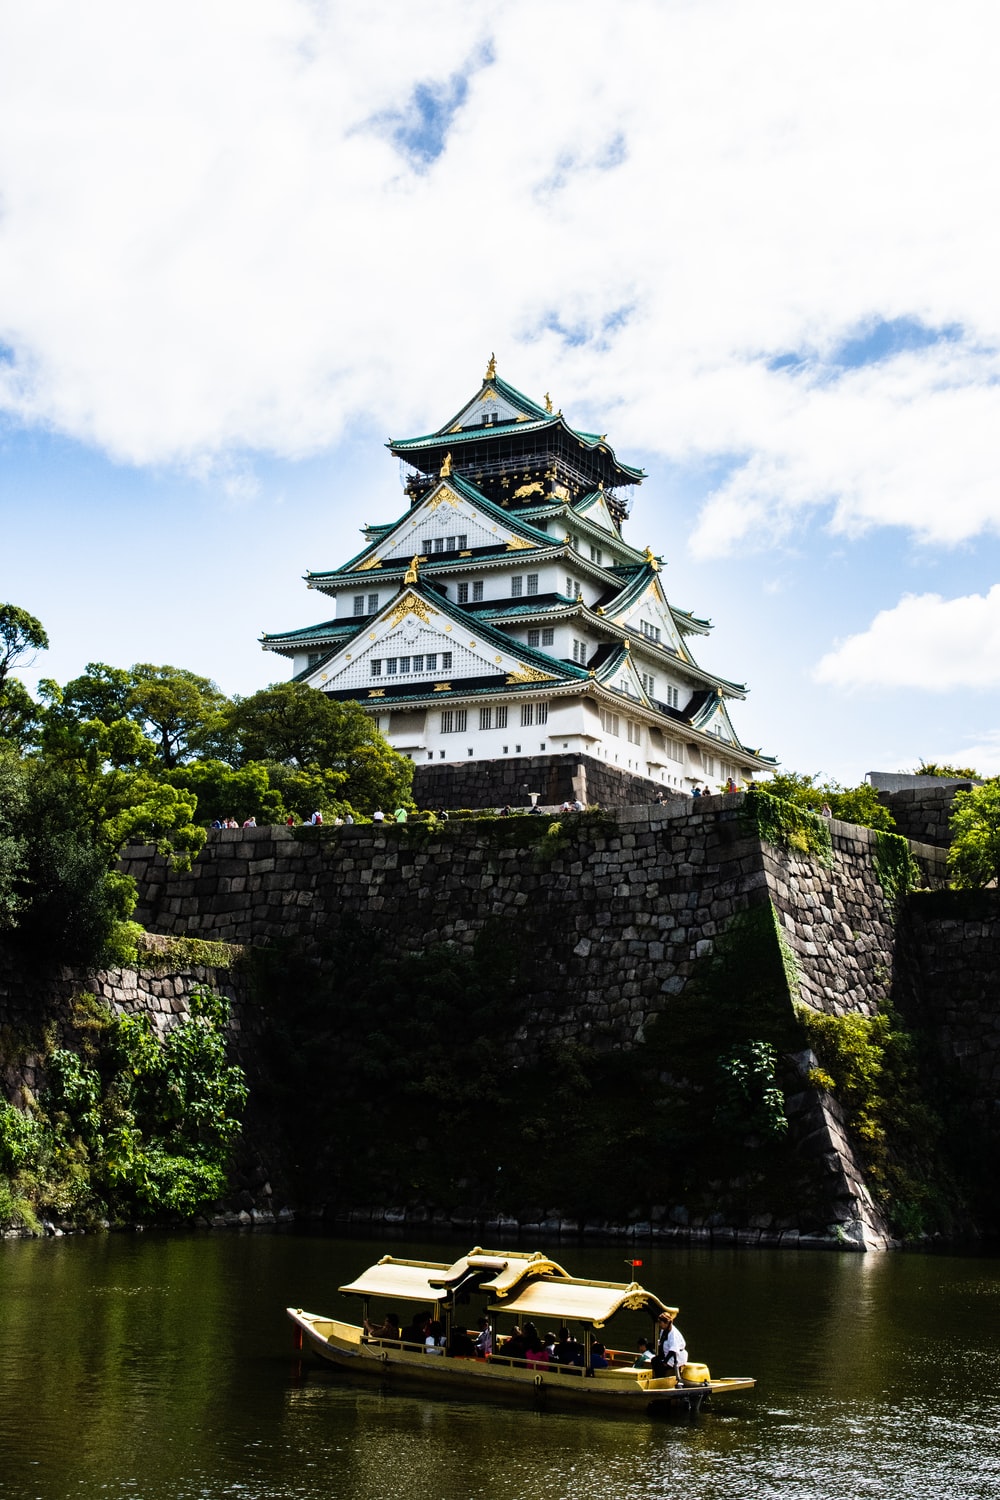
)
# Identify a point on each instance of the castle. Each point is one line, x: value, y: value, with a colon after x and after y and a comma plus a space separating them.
x: 504, y: 617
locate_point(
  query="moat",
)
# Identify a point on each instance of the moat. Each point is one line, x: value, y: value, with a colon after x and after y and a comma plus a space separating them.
x: 161, y: 1367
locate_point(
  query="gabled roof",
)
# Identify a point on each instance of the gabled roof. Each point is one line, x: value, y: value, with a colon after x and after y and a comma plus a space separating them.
x: 530, y: 417
x: 534, y: 666
x: 368, y: 559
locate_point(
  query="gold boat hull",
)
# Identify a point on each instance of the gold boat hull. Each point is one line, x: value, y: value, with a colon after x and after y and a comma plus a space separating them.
x: 620, y: 1388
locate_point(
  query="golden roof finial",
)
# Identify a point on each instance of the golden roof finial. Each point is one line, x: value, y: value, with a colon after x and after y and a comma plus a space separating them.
x: 446, y: 467
x: 491, y: 368
x: 651, y: 560
x: 548, y: 403
x: 412, y: 574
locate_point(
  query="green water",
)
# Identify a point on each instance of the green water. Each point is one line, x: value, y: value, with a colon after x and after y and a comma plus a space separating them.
x: 152, y: 1367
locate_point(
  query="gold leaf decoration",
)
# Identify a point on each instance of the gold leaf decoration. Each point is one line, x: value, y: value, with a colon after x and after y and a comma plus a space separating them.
x: 442, y: 687
x: 410, y: 604
x: 520, y: 544
x: 370, y: 562
x: 528, y: 489
x: 528, y: 674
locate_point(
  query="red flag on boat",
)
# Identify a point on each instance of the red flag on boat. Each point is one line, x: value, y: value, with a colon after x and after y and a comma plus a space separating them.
x: 633, y: 1263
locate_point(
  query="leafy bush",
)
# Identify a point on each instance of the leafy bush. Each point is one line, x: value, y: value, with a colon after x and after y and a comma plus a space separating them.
x: 974, y: 856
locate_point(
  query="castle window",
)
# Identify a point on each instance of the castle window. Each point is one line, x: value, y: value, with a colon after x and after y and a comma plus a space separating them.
x: 502, y: 720
x: 648, y: 684
x: 463, y: 593
x: 541, y: 713
x: 671, y: 697
x: 359, y: 604
x: 439, y: 544
x: 597, y: 556
x: 427, y: 544
x: 548, y: 636
x: 314, y: 657
x: 534, y: 637
x: 477, y: 591
x: 449, y: 544
x: 486, y: 718
x: 609, y: 722
x: 634, y: 732
x: 372, y: 603
x: 446, y: 661
x: 454, y: 720
x: 390, y: 666
x: 404, y: 666
x: 527, y: 713
x: 532, y: 583
x: 516, y: 587
x: 376, y: 669
x: 580, y: 652
x: 431, y: 661
x: 418, y: 664
x: 651, y: 632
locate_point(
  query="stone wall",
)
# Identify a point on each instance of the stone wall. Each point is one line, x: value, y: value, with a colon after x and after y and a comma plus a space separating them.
x: 556, y: 778
x: 950, y: 986
x: 617, y: 916
x: 923, y: 813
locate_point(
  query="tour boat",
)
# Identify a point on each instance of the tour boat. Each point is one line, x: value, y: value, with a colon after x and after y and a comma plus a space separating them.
x: 491, y: 1286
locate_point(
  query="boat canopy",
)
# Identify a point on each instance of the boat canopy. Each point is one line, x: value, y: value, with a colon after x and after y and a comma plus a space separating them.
x: 433, y: 1281
x: 571, y: 1300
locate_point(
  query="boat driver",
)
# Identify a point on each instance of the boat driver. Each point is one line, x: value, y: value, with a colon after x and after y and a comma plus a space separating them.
x: 671, y: 1350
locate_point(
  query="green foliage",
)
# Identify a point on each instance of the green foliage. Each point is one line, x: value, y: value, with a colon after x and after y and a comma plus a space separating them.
x: 20, y: 635
x: 951, y: 773
x: 895, y: 869
x: 177, y: 712
x: 857, y: 804
x: 331, y: 755
x: 222, y: 792
x: 131, y: 1125
x: 787, y: 825
x: 974, y: 856
x: 749, y: 1097
x: 871, y: 1065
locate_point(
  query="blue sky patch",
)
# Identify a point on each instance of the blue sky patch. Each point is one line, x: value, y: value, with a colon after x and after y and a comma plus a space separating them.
x: 420, y: 129
x: 869, y: 344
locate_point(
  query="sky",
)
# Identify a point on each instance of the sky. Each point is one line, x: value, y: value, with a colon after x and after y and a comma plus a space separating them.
x: 244, y: 242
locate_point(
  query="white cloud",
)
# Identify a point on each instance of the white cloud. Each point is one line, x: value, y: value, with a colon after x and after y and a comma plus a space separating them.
x: 925, y: 642
x: 207, y: 247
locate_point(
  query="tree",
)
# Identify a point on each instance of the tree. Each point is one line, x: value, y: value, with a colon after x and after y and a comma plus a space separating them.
x: 19, y: 634
x: 318, y: 750
x: 974, y: 856
x: 177, y: 711
x: 224, y: 792
x: 952, y: 773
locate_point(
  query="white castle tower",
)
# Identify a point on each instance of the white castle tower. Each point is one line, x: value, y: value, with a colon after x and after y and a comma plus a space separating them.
x: 504, y: 615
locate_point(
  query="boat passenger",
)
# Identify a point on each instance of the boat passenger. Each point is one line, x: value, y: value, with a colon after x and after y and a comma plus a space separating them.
x: 569, y: 1351
x: 461, y: 1346
x: 387, y: 1329
x: 517, y: 1345
x: 671, y: 1350
x: 484, y: 1341
x: 434, y: 1342
x: 644, y: 1358
x: 598, y: 1357
x: 416, y: 1329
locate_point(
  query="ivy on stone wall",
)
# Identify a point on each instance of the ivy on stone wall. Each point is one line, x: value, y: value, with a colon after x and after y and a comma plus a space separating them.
x: 131, y: 1126
x: 895, y: 869
x: 788, y: 827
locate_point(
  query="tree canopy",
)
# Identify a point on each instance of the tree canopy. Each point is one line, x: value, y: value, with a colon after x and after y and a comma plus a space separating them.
x: 974, y: 856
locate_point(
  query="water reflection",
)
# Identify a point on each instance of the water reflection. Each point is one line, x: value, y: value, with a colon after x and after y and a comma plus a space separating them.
x: 155, y: 1367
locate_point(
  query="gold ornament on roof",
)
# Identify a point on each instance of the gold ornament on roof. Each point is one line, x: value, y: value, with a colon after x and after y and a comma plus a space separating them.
x: 410, y: 604
x: 528, y: 489
x: 412, y: 573
x: 446, y: 467
x: 528, y: 674
x: 491, y: 368
x: 370, y: 562
x: 548, y: 403
x: 520, y: 544
x: 651, y: 560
